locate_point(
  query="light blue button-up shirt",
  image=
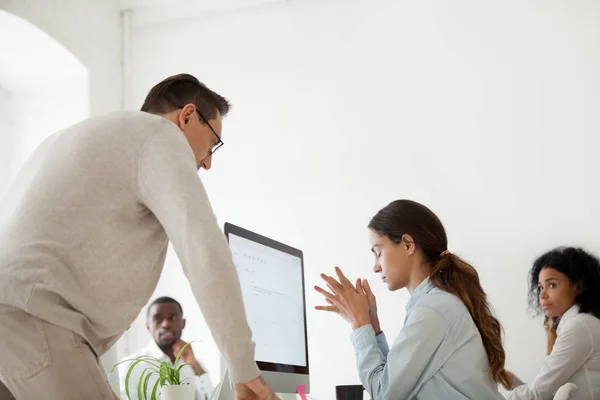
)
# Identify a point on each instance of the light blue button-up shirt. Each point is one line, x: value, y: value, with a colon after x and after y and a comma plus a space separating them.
x: 437, y: 355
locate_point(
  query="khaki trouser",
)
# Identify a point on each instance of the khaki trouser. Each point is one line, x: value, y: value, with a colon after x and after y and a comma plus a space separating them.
x: 39, y: 360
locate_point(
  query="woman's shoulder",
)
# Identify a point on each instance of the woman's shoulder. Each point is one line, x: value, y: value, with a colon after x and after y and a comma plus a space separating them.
x: 452, y: 311
x: 446, y: 304
x: 584, y: 327
x: 582, y: 321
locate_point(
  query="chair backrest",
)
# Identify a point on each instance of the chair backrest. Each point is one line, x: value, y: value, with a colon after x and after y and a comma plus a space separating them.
x: 564, y: 392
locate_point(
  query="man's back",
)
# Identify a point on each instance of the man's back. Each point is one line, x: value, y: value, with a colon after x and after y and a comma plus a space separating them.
x: 77, y: 245
x: 83, y: 237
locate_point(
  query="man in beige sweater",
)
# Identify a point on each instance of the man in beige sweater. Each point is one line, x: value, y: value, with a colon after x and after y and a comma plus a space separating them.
x: 83, y: 236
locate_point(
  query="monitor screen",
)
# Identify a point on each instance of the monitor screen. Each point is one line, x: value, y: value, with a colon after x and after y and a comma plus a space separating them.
x: 272, y: 282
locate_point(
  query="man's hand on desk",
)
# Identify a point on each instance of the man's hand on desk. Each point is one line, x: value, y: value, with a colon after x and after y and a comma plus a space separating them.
x: 256, y: 389
x: 188, y: 356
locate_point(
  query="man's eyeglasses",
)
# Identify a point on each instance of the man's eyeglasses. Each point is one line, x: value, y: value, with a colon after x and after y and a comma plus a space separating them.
x: 219, y: 141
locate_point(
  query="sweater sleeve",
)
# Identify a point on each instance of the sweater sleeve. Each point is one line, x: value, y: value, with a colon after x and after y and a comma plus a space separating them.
x: 169, y: 186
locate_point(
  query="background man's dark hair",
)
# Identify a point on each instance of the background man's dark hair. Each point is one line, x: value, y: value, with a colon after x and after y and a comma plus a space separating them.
x: 179, y: 90
x: 164, y: 300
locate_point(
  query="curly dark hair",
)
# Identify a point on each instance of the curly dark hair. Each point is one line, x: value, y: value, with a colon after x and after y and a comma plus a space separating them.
x: 582, y: 269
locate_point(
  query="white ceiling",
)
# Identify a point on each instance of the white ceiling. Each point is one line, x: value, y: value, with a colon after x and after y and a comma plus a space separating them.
x: 147, y: 12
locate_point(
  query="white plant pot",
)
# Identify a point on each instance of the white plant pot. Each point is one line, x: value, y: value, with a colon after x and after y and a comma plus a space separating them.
x: 178, y: 392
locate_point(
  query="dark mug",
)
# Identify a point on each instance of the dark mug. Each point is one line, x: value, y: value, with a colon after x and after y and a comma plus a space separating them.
x: 349, y: 392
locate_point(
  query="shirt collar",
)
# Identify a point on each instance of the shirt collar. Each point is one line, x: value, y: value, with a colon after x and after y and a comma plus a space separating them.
x: 570, y: 313
x: 156, y: 352
x: 421, y: 290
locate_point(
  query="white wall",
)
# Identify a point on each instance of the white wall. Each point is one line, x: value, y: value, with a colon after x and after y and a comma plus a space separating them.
x: 484, y: 111
x: 58, y: 48
x: 90, y: 30
x: 42, y: 90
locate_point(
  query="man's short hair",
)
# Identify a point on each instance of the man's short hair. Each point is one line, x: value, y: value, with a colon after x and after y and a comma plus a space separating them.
x: 164, y: 300
x: 179, y: 90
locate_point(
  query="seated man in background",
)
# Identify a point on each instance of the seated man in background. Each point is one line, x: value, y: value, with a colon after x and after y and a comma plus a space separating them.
x: 165, y: 323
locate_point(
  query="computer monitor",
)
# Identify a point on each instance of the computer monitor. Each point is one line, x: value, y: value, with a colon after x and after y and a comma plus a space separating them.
x: 272, y: 281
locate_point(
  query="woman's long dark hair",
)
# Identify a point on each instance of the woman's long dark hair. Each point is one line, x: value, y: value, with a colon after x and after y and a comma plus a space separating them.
x: 449, y: 272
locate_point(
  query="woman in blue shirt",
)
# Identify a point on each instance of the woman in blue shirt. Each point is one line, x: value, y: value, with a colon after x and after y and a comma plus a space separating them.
x: 451, y: 344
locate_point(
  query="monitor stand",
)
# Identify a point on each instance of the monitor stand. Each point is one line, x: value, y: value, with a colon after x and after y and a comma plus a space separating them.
x: 287, y: 396
x: 225, y: 391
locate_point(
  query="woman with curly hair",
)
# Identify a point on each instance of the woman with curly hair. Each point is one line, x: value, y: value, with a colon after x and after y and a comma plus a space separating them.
x: 564, y: 283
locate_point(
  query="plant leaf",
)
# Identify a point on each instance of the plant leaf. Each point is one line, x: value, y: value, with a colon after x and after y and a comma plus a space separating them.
x: 155, y: 362
x: 153, y: 396
x: 167, y: 371
x: 139, y: 385
x: 173, y: 376
x: 176, y: 378
x: 128, y: 376
x: 146, y: 380
x: 193, y: 367
x: 150, y: 360
x: 181, y: 351
x: 143, y: 383
x: 147, y: 359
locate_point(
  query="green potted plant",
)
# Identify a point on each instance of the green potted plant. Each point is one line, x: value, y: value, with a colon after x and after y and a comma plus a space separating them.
x: 168, y: 379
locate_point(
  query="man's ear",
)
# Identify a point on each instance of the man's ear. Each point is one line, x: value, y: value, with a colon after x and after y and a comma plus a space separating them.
x: 185, y: 116
x: 183, y: 321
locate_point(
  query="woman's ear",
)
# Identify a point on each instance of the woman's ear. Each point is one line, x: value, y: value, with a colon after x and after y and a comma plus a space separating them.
x: 409, y: 243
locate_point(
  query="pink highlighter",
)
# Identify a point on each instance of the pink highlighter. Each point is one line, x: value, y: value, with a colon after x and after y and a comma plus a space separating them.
x: 301, y: 390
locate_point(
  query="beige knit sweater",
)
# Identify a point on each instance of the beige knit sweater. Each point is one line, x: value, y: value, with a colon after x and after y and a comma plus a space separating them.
x: 85, y: 225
